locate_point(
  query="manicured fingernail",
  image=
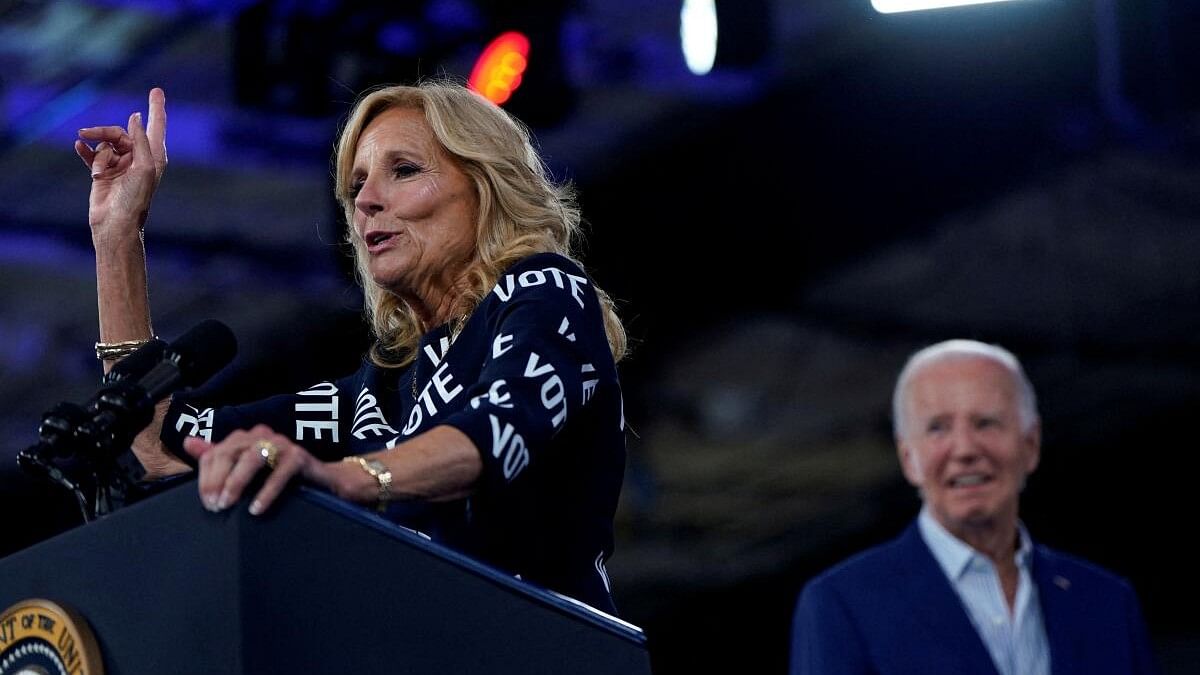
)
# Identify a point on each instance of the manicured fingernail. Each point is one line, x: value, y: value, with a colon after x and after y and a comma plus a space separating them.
x: 256, y: 507
x: 210, y: 503
x: 137, y: 117
x: 224, y: 500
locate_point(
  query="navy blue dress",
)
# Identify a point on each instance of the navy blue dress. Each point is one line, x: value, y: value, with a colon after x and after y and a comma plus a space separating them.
x: 531, y: 381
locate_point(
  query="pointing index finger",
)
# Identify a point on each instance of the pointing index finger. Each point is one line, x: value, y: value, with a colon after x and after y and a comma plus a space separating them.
x: 156, y: 124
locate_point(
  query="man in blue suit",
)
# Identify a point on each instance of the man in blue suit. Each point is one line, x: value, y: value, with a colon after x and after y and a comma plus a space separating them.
x: 964, y: 589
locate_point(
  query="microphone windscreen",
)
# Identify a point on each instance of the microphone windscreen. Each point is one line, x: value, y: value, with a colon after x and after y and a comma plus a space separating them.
x: 202, y: 351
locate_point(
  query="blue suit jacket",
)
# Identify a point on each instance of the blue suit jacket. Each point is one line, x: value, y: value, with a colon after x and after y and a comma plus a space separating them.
x: 891, y: 610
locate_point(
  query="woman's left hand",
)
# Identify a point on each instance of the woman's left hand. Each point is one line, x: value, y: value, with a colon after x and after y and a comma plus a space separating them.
x: 227, y: 467
x: 126, y: 166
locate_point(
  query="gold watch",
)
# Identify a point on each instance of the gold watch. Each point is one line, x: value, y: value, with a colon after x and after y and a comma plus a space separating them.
x: 379, y: 471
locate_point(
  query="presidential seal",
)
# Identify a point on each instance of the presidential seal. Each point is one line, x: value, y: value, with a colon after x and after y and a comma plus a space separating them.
x: 39, y: 637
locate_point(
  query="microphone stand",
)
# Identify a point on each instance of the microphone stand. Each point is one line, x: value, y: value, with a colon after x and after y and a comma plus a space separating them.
x: 95, y: 437
x: 31, y: 461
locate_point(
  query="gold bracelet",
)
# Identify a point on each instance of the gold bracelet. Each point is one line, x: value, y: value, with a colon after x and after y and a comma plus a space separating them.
x: 379, y: 471
x: 109, y: 351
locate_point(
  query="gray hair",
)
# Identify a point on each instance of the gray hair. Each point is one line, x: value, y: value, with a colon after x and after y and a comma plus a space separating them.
x: 1027, y: 413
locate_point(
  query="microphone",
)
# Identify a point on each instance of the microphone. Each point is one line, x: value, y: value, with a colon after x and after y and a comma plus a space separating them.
x: 188, y: 362
x: 96, y: 433
x: 107, y: 423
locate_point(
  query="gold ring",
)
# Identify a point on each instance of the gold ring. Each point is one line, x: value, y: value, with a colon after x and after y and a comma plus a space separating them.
x: 268, y: 452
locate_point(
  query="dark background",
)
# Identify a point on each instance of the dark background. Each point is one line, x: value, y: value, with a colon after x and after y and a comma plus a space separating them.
x: 843, y: 188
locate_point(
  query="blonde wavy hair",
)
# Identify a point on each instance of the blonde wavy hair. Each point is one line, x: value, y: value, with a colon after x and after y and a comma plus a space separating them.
x: 522, y: 210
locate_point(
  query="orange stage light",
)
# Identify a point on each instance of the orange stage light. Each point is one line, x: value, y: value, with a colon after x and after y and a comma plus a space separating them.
x: 497, y: 72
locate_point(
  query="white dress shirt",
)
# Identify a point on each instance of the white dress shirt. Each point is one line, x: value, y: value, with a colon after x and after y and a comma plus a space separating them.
x: 1017, y: 639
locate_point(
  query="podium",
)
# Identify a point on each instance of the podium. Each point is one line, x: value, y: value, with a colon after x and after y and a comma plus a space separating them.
x: 313, y: 586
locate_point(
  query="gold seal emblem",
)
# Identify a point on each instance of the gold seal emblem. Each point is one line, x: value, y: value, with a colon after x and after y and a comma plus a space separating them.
x: 40, y: 637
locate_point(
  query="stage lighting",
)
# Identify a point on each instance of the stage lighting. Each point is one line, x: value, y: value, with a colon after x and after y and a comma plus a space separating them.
x: 715, y: 35
x: 895, y: 6
x: 498, y: 71
x: 524, y: 68
x: 698, y: 34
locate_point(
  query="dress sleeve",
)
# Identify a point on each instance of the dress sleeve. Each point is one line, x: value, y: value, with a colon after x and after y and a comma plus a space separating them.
x: 317, y: 418
x: 547, y: 358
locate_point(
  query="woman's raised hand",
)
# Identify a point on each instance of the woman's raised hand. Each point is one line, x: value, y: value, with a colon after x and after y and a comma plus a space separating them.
x: 126, y: 167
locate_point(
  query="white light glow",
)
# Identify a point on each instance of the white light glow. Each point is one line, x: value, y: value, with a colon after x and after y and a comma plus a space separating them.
x: 698, y: 34
x: 894, y: 6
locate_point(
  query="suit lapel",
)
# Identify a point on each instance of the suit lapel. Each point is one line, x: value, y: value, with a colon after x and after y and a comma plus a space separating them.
x: 942, y: 616
x: 1054, y: 595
